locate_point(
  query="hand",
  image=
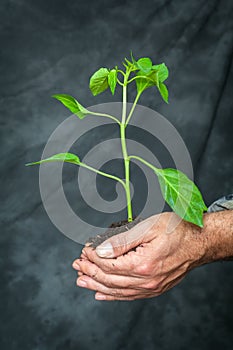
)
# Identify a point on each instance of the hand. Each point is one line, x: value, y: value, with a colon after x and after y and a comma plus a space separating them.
x: 159, y: 262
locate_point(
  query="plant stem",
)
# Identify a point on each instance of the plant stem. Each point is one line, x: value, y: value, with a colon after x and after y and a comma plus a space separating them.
x: 124, y: 149
x: 103, y: 174
x: 105, y: 115
x: 119, y: 82
x: 156, y: 170
x: 133, y: 107
x: 121, y: 71
x: 140, y: 77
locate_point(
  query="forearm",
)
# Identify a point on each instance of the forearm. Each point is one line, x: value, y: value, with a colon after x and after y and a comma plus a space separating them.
x: 217, y: 236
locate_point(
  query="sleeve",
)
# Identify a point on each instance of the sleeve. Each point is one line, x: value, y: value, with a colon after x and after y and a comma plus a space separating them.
x: 223, y: 203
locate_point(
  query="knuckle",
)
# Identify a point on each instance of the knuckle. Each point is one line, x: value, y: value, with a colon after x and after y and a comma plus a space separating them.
x: 117, y: 292
x: 151, y: 285
x: 123, y: 293
x: 131, y: 266
x: 108, y: 283
x: 144, y: 269
x: 128, y: 285
x: 120, y: 241
x: 105, y: 268
x: 94, y: 274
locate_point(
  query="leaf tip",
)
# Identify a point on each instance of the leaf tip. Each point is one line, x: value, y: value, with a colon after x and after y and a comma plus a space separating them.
x: 54, y: 96
x: 29, y: 164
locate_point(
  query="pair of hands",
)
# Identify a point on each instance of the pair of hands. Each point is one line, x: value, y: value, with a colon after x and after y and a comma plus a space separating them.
x: 164, y: 250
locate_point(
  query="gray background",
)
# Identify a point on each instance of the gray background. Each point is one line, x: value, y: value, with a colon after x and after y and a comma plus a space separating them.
x: 51, y: 47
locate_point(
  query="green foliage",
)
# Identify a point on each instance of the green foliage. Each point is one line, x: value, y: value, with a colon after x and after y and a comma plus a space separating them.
x: 142, y: 83
x: 60, y: 157
x: 182, y: 195
x: 148, y: 75
x: 178, y: 191
x: 99, y: 81
x: 134, y: 62
x: 162, y: 71
x: 163, y: 91
x: 145, y: 81
x: 112, y: 80
x: 145, y: 65
x: 145, y: 74
x: 72, y: 104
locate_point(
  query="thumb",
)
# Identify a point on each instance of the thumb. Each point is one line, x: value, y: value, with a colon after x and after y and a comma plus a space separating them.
x: 125, y: 241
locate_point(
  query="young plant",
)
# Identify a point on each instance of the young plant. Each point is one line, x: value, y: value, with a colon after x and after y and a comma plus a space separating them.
x: 178, y: 190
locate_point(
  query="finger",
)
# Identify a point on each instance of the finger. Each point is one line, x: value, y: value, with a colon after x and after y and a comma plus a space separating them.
x: 173, y: 283
x: 75, y: 265
x: 108, y: 297
x: 120, y: 266
x: 110, y: 280
x: 76, y: 262
x: 125, y: 241
x: 83, y: 255
x: 88, y: 282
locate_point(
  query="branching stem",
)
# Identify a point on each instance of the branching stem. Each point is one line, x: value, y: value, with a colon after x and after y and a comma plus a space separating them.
x: 133, y: 107
x: 105, y: 115
x: 156, y: 170
x: 119, y: 82
x: 140, y: 77
x: 103, y: 174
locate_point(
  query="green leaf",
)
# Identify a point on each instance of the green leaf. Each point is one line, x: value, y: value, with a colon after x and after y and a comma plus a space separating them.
x: 72, y: 104
x: 60, y: 157
x: 128, y: 62
x: 132, y: 65
x: 154, y: 79
x: 112, y: 80
x: 182, y: 195
x: 162, y: 70
x: 142, y: 84
x: 163, y: 91
x: 99, y: 81
x: 133, y: 59
x: 144, y: 64
x: 146, y: 81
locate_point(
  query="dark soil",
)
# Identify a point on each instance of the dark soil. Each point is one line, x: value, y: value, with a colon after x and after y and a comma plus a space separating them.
x: 114, y: 229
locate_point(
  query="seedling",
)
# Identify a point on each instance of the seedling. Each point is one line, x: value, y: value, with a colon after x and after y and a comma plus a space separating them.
x: 178, y: 190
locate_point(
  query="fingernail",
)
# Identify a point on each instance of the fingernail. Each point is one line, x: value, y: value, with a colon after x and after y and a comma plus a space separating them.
x: 81, y: 283
x: 76, y: 266
x: 105, y: 250
x: 100, y: 297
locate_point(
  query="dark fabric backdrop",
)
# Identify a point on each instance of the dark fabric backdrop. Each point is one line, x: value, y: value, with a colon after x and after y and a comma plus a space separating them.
x: 50, y: 46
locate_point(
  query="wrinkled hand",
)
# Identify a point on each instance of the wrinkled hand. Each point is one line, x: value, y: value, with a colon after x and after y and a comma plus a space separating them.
x: 162, y: 258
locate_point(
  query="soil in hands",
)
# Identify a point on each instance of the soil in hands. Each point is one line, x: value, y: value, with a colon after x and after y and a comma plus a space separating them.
x: 114, y: 229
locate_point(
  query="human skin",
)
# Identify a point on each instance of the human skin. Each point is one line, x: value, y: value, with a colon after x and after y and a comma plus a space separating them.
x: 166, y: 250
